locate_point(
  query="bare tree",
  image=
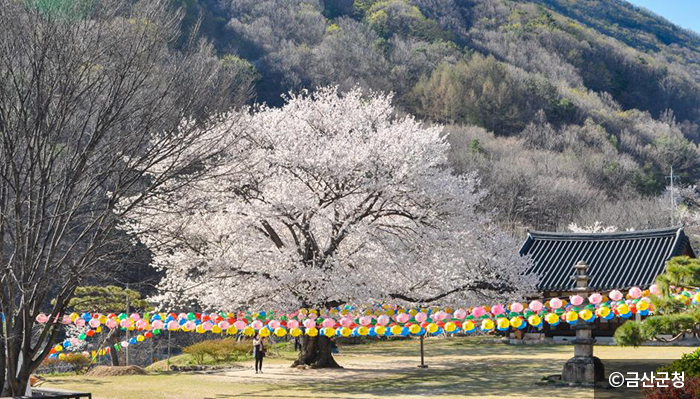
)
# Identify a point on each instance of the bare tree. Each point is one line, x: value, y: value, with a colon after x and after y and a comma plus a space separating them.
x: 92, y: 94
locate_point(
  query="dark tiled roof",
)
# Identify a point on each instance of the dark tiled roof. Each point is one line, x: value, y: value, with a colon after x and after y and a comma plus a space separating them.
x: 616, y: 260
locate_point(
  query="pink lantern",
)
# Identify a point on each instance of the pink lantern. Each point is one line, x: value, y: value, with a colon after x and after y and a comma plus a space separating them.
x: 460, y: 314
x: 516, y: 307
x: 383, y: 320
x: 66, y: 320
x: 42, y: 318
x: 111, y: 324
x: 441, y: 315
x: 403, y: 317
x: 576, y: 300
x: 74, y: 341
x: 615, y: 295
x: 478, y: 312
x: 141, y: 324
x: 239, y: 324
x: 80, y: 322
x: 308, y: 323
x: 125, y: 323
x: 420, y: 317
x: 595, y: 298
x: 293, y: 324
x: 497, y: 309
x: 94, y: 323
x: 345, y: 321
x: 134, y: 316
x: 654, y: 289
x: 207, y: 326
x: 312, y: 316
x: 635, y: 292
x: 535, y: 306
x: 555, y: 303
x: 328, y: 323
x: 182, y: 316
x: 125, y: 344
x: 172, y: 325
x: 190, y: 325
x: 157, y: 325
x: 257, y: 324
x: 274, y: 324
x: 224, y: 325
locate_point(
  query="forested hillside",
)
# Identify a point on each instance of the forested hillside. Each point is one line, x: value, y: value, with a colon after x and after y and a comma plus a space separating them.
x: 570, y: 111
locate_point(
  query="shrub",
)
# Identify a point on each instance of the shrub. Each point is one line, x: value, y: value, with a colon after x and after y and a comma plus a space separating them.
x: 688, y: 364
x: 230, y: 350
x: 629, y: 334
x: 219, y: 350
x: 78, y: 362
x: 690, y: 390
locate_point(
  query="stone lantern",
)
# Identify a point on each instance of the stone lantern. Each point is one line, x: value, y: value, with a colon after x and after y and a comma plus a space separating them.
x: 583, y: 368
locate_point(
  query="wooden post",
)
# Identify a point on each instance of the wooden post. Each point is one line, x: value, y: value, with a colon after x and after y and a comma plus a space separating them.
x: 422, y: 355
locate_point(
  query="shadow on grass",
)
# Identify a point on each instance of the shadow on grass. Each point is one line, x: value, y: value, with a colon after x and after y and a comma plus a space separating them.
x: 455, y: 347
x: 71, y: 381
x: 497, y: 377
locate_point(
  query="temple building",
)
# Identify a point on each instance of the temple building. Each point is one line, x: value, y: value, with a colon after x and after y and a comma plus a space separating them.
x: 616, y: 261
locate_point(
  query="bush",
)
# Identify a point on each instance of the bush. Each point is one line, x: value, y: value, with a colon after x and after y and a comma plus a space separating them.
x: 690, y: 390
x: 688, y: 364
x: 629, y: 333
x: 219, y: 350
x: 77, y: 362
x: 230, y: 350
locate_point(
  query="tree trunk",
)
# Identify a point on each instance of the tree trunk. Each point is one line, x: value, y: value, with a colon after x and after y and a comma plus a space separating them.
x: 3, y: 392
x: 316, y: 352
x: 113, y: 353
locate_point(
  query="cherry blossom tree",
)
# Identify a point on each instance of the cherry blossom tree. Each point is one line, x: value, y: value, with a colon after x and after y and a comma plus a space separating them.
x: 327, y: 200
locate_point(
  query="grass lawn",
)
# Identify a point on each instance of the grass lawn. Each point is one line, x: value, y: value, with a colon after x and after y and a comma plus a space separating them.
x: 459, y: 367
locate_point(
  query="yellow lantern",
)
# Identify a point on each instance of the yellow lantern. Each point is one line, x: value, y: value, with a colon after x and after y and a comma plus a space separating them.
x: 487, y: 325
x: 231, y: 330
x: 264, y: 332
x: 432, y: 328
x: 468, y: 325
x: 312, y: 332
x: 551, y: 318
x: 516, y: 322
x: 329, y: 331
x: 585, y: 314
x: 503, y: 323
x: 295, y: 332
x: 450, y: 326
x: 380, y: 330
x: 414, y: 329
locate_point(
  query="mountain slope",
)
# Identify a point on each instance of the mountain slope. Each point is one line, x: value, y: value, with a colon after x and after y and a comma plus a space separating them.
x: 569, y: 110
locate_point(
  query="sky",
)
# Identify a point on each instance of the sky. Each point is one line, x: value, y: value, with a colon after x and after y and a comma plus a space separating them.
x: 685, y: 13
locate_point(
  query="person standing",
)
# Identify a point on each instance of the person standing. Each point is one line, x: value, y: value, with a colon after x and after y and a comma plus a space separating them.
x: 258, y: 352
